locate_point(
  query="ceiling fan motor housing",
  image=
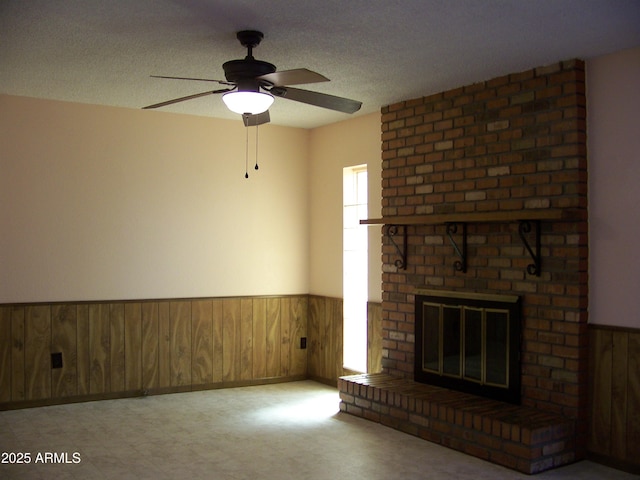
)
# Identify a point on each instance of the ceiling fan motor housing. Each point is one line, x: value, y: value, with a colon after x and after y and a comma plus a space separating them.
x: 244, y: 72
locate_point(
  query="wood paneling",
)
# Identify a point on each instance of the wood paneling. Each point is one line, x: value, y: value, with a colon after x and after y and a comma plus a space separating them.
x: 132, y: 346
x: 232, y: 347
x: 600, y: 390
x: 37, y: 358
x: 316, y: 318
x: 116, y: 343
x: 246, y: 339
x: 633, y: 398
x: 260, y: 335
x: 121, y: 348
x: 83, y: 362
x: 180, y: 313
x: 150, y: 345
x: 334, y: 338
x: 325, y: 328
x: 202, y: 341
x: 17, y: 354
x: 298, y: 318
x: 164, y: 345
x: 99, y: 349
x: 64, y: 332
x: 217, y: 319
x: 614, y: 428
x: 325, y: 337
x: 273, y: 337
x: 619, y: 391
x: 285, y: 337
x: 5, y: 354
x: 374, y: 337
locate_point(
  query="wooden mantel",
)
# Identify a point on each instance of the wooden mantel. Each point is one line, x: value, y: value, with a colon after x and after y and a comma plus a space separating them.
x: 528, y: 220
x: 473, y: 217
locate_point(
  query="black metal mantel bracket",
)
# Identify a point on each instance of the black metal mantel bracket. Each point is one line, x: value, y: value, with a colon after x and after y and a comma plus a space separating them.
x: 452, y: 229
x: 524, y: 228
x: 392, y: 231
x: 529, y: 229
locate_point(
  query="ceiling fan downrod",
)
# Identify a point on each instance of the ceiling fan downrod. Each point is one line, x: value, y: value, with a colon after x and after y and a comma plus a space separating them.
x: 250, y: 39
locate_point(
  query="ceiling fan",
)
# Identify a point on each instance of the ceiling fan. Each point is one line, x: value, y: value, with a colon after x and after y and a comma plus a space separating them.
x: 246, y: 80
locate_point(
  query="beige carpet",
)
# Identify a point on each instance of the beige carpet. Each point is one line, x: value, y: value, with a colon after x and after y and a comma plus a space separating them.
x: 283, y: 431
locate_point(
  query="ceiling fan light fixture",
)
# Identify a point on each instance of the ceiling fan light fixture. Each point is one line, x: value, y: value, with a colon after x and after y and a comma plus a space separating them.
x: 251, y: 103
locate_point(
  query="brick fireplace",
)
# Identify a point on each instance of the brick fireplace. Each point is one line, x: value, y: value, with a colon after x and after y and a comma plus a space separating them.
x: 489, y: 157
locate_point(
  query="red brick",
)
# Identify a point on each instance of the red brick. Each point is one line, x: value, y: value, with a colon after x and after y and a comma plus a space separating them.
x: 550, y: 166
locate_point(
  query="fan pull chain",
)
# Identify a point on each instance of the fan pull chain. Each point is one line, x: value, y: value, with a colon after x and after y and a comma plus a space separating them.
x: 256, y: 167
x: 246, y: 154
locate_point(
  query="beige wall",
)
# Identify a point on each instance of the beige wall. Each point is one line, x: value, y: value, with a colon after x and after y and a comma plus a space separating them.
x: 352, y: 142
x: 100, y: 203
x: 613, y: 102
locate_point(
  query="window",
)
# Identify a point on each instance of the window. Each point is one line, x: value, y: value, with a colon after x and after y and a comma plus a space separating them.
x: 355, y: 268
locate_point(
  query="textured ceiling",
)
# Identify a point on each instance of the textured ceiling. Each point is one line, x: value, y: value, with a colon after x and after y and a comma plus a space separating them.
x: 376, y: 51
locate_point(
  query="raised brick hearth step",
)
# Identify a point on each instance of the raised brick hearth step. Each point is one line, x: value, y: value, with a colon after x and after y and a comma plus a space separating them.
x: 517, y: 437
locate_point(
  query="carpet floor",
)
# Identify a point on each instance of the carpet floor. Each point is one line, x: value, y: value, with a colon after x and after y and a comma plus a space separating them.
x: 280, y: 431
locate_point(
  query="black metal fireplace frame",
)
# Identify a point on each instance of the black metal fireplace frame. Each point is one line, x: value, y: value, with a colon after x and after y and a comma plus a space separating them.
x: 512, y: 303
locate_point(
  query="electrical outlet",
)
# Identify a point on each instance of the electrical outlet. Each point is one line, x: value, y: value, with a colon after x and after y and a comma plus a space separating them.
x: 303, y: 342
x: 56, y: 360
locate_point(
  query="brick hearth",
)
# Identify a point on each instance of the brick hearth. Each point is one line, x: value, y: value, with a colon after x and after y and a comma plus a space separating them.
x: 516, y: 143
x: 521, y: 438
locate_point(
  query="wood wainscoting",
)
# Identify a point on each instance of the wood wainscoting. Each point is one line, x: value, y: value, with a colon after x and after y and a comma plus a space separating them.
x: 614, y: 379
x: 126, y: 348
x: 374, y: 337
x: 325, y: 339
x: 116, y: 349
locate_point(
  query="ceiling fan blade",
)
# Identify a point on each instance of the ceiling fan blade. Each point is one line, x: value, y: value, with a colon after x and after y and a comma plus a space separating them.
x: 255, y: 120
x: 293, y: 77
x: 188, y: 97
x: 222, y: 82
x: 318, y: 99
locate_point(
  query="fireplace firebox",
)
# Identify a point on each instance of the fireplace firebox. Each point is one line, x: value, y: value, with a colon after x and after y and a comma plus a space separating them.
x: 469, y: 342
